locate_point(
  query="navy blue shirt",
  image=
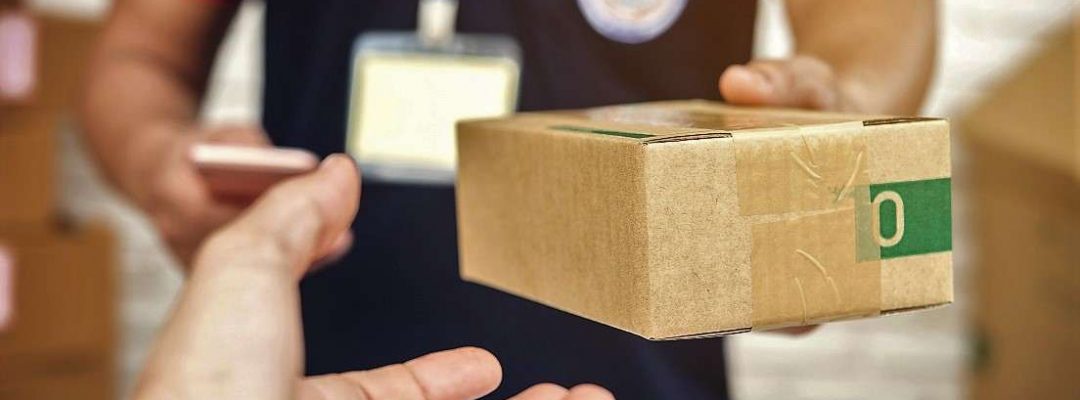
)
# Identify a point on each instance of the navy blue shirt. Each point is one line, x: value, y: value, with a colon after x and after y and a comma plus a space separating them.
x: 397, y: 295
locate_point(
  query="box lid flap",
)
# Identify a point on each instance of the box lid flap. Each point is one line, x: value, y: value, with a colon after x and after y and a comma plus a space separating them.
x: 681, y: 120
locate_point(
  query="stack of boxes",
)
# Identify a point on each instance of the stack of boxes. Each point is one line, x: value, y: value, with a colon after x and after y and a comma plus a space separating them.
x: 57, y: 300
x: 1025, y: 162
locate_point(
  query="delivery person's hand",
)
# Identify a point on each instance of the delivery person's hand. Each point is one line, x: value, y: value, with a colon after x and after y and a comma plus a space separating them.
x: 799, y: 82
x: 140, y: 108
x: 863, y: 56
x: 236, y: 332
x: 171, y: 191
x: 859, y: 56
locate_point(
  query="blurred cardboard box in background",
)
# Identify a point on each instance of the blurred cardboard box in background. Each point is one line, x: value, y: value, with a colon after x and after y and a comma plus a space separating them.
x: 1025, y: 161
x: 28, y: 142
x: 28, y: 146
x: 1033, y: 113
x: 59, y: 339
x: 62, y: 329
x: 60, y: 54
x: 687, y: 219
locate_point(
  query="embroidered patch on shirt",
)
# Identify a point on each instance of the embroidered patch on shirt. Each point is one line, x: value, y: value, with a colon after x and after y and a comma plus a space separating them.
x: 631, y: 21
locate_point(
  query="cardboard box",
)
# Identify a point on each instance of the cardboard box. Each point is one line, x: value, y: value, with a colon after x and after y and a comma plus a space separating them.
x: 28, y: 130
x: 1025, y: 167
x: 64, y: 320
x: 58, y: 341
x: 64, y: 289
x: 1026, y: 226
x: 94, y: 381
x: 1033, y: 113
x: 63, y: 50
x: 688, y: 219
x: 28, y: 174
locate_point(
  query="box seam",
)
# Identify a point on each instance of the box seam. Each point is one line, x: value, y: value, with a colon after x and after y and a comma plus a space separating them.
x: 643, y: 192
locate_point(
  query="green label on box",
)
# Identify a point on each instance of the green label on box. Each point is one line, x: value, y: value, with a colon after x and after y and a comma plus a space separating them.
x: 908, y: 218
x: 608, y: 132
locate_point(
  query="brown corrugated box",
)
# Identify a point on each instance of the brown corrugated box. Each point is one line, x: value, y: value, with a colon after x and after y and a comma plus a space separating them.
x: 1026, y: 231
x: 63, y: 326
x: 688, y: 219
x: 28, y: 158
x: 28, y: 141
x: 1033, y: 113
x: 64, y: 45
x: 60, y: 342
x: 1025, y: 213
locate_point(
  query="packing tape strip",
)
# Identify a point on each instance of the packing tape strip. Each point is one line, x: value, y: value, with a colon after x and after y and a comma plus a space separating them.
x: 813, y: 263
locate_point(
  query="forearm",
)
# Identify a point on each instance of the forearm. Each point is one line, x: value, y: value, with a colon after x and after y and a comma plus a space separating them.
x: 881, y: 51
x: 231, y: 314
x: 236, y: 332
x: 132, y: 109
x: 145, y: 81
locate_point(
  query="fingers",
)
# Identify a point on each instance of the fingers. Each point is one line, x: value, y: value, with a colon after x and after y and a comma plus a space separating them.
x: 549, y: 391
x: 175, y: 198
x: 461, y: 374
x: 168, y: 187
x: 310, y: 213
x: 742, y: 85
x: 476, y: 372
x: 796, y: 330
x: 543, y: 391
x: 332, y: 254
x: 800, y: 82
x: 589, y: 392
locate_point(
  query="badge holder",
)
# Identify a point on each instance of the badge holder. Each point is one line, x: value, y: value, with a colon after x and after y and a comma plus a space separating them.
x: 18, y: 55
x: 410, y: 88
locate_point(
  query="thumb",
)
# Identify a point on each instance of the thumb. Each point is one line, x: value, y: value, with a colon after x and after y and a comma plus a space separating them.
x: 800, y: 82
x: 304, y: 218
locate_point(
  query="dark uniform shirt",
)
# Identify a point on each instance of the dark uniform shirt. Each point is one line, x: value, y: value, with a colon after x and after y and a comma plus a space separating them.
x: 397, y: 295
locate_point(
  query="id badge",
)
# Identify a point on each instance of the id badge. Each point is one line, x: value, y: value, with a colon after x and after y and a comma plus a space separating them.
x: 409, y: 89
x: 18, y: 56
